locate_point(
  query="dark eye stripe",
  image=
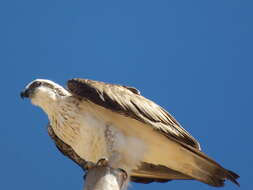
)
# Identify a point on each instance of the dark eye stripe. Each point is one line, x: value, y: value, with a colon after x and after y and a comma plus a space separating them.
x: 35, y: 84
x: 41, y: 83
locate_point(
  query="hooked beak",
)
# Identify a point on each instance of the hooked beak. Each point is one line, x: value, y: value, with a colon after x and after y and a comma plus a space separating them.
x: 25, y: 94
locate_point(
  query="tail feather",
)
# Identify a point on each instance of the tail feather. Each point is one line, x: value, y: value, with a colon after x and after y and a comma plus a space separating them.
x: 207, y: 170
x: 183, y: 162
x: 147, y: 173
x: 233, y: 176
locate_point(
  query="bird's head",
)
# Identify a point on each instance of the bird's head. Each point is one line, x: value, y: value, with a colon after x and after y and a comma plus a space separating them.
x: 43, y: 92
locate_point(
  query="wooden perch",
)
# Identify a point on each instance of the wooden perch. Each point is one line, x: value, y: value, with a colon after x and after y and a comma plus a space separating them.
x: 105, y: 178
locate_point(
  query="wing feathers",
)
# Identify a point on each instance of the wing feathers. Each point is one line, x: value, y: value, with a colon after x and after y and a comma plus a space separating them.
x: 207, y: 170
x: 128, y: 101
x: 192, y: 163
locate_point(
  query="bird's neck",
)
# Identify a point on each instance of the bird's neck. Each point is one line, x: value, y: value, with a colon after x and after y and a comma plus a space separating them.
x: 48, y: 100
x: 58, y: 108
x: 49, y: 106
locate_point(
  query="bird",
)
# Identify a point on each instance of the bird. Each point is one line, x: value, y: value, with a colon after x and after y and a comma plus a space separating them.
x: 91, y: 120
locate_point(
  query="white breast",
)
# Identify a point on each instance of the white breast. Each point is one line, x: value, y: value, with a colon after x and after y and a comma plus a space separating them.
x: 92, y: 143
x: 81, y: 130
x: 94, y: 137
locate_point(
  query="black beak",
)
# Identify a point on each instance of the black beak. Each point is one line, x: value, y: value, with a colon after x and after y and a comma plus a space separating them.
x: 24, y: 94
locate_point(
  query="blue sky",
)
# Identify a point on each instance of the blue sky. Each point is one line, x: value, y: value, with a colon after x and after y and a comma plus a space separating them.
x: 194, y: 58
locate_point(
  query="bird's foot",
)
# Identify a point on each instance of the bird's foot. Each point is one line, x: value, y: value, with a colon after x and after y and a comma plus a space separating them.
x: 102, y: 162
x: 89, y: 165
x: 123, y: 174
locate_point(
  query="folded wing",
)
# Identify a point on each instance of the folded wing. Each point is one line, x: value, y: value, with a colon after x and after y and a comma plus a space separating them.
x: 186, y: 161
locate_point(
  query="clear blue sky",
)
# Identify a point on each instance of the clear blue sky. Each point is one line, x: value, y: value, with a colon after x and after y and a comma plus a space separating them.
x: 192, y: 57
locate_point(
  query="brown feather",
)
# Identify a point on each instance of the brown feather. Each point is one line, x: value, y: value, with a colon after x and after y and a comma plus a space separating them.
x: 130, y: 103
x: 126, y: 101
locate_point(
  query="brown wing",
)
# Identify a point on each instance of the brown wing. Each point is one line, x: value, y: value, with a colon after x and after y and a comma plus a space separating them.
x: 129, y: 102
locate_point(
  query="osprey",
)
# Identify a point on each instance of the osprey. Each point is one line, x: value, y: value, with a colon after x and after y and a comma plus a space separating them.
x: 91, y: 120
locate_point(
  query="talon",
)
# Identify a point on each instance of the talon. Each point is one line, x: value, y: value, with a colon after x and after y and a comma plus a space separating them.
x: 102, y: 162
x: 124, y: 176
x: 89, y: 165
x: 123, y: 173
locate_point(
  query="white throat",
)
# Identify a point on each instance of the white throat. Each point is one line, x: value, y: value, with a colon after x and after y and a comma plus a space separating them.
x: 48, y: 99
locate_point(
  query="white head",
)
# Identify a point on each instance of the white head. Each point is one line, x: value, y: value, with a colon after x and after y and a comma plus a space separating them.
x: 44, y: 93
